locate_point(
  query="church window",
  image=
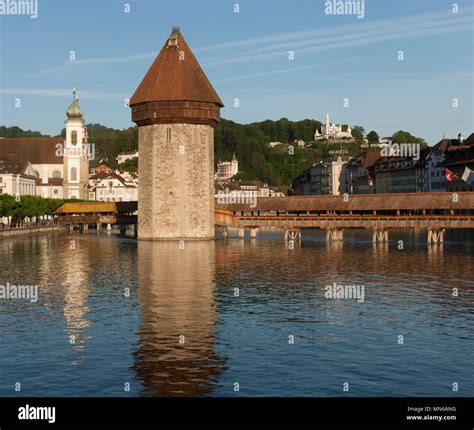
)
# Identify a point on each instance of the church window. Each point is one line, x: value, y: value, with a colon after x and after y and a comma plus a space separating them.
x: 168, y: 134
x: 56, y: 174
x: 74, y: 137
x: 73, y: 174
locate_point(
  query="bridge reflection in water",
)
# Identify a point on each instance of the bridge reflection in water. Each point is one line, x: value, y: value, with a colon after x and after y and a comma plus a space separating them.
x: 177, y: 298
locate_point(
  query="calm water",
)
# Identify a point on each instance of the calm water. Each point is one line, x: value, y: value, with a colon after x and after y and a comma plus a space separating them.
x: 246, y: 338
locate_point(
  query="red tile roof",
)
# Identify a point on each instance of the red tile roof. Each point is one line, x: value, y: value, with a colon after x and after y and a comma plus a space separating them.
x: 175, y: 75
x: 36, y: 150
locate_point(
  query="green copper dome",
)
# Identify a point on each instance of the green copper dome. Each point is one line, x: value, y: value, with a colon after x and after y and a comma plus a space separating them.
x: 74, y: 111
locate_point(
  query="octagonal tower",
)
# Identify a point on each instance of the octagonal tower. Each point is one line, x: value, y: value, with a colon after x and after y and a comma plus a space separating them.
x: 176, y: 109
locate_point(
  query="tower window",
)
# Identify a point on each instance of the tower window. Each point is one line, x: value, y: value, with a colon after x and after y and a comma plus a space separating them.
x: 74, y: 137
x: 195, y: 135
x: 168, y: 134
x: 73, y: 174
x: 56, y: 174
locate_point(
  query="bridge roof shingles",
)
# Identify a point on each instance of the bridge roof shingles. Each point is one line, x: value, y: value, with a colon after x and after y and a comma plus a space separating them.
x: 360, y: 202
x: 356, y: 202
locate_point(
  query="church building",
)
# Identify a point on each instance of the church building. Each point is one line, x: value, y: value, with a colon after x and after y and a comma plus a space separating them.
x: 60, y: 165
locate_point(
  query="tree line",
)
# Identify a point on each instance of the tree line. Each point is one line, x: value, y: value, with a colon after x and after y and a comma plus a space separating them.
x: 277, y: 166
x: 26, y: 207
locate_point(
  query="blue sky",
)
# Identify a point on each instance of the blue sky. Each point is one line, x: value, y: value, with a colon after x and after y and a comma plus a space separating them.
x: 245, y: 56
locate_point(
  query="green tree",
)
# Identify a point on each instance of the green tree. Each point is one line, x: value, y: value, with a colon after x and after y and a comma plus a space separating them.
x: 358, y: 133
x: 373, y: 137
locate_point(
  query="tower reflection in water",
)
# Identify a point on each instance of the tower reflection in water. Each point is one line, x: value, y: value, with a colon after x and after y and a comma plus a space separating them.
x: 177, y: 299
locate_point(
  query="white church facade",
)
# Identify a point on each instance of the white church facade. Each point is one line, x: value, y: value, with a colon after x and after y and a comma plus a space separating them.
x: 60, y: 165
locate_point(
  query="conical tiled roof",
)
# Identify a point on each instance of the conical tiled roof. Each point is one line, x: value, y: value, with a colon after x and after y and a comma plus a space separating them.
x: 175, y: 75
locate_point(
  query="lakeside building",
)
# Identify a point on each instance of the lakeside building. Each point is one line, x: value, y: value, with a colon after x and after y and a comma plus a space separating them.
x: 17, y: 178
x: 61, y: 166
x: 324, y: 177
x: 333, y: 132
x: 404, y: 174
x: 371, y: 172
x: 436, y: 180
x: 227, y: 169
x: 401, y: 174
x: 360, y: 175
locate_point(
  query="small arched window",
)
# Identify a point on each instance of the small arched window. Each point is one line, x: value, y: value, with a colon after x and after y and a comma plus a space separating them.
x: 56, y: 174
x: 73, y: 174
x: 74, y: 137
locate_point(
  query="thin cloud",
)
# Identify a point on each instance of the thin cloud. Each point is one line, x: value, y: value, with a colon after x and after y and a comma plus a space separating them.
x: 288, y: 70
x: 401, y: 31
x: 67, y: 66
x: 310, y: 41
x: 301, y: 36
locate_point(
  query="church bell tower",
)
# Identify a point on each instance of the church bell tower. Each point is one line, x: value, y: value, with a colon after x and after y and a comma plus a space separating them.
x: 75, y: 154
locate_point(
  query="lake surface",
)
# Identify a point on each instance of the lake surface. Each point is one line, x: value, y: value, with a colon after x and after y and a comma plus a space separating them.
x: 115, y: 314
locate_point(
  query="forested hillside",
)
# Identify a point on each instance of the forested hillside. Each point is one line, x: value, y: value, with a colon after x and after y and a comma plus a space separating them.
x: 277, y: 166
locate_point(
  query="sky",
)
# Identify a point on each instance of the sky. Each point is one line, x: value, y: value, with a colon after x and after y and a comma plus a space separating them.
x: 344, y: 65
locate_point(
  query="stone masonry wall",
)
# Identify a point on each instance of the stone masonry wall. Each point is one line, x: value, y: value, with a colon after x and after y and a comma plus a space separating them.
x: 176, y: 185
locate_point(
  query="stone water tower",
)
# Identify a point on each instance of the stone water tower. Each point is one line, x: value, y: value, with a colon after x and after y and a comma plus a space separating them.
x: 176, y: 110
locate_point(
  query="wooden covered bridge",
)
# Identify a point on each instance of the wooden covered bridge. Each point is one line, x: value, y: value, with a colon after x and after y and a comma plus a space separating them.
x: 433, y: 212
x: 98, y: 215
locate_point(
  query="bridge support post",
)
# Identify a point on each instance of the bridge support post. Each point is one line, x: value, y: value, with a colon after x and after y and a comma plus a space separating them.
x: 71, y: 228
x: 253, y: 232
x: 334, y: 234
x: 123, y: 229
x: 436, y: 235
x: 241, y: 233
x: 379, y: 235
x: 86, y: 228
x: 99, y: 227
x: 225, y: 233
x: 109, y: 227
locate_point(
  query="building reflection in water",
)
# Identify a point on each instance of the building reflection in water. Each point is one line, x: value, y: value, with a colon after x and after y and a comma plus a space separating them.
x: 177, y: 299
x: 76, y: 290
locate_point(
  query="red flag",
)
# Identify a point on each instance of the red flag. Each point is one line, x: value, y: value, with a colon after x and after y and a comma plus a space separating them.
x: 450, y: 176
